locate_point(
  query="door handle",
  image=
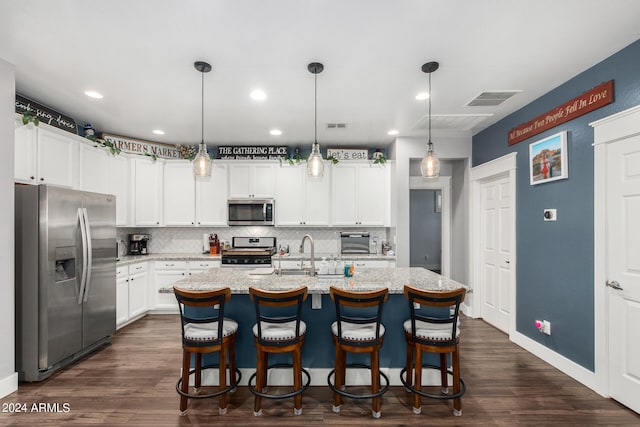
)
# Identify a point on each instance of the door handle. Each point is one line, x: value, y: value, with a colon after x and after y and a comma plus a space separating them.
x: 614, y: 284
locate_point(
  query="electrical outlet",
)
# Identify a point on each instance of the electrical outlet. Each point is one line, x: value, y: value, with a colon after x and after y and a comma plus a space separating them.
x: 550, y: 215
x: 544, y: 326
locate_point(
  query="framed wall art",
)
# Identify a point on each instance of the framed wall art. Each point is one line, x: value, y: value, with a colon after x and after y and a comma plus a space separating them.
x: 548, y: 159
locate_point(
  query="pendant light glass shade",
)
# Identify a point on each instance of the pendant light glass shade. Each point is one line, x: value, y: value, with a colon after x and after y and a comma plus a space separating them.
x: 202, y: 162
x: 430, y: 165
x: 315, y: 162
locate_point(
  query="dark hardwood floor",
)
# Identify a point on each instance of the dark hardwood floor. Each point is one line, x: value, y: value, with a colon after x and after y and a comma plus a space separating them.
x: 132, y: 382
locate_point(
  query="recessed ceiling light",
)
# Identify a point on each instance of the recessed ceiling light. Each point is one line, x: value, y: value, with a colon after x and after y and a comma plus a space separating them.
x: 422, y: 96
x: 393, y: 132
x: 258, y: 95
x: 93, y: 94
x: 158, y: 131
x: 275, y: 132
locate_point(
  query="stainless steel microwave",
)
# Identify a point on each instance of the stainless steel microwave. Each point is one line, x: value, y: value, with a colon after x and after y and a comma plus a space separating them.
x: 251, y: 211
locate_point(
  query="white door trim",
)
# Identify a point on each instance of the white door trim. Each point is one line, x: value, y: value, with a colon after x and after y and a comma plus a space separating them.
x: 502, y: 166
x: 607, y: 130
x: 443, y: 184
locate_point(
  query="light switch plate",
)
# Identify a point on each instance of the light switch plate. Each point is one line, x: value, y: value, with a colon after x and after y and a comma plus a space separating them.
x: 316, y: 301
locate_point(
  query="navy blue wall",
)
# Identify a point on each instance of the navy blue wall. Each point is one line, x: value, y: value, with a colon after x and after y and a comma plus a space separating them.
x: 555, y: 259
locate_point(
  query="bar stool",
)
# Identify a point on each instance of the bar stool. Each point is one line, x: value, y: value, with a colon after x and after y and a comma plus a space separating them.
x: 279, y: 329
x: 426, y: 332
x: 206, y: 330
x: 358, y: 329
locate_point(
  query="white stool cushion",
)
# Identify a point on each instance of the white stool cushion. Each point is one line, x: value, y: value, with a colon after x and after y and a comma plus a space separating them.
x: 432, y: 331
x: 357, y: 332
x: 209, y: 331
x: 279, y: 331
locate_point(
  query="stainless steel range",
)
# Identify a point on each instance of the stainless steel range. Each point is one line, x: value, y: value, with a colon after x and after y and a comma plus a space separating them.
x: 249, y: 252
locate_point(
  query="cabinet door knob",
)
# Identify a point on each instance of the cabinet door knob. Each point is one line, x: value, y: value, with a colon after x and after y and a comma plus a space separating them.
x: 33, y: 177
x: 41, y: 179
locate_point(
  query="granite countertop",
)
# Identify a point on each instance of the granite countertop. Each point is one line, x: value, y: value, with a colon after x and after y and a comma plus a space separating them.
x: 364, y: 279
x: 132, y: 259
x: 125, y: 260
x: 296, y: 256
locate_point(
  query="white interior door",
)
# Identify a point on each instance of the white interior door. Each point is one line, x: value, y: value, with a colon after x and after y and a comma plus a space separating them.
x: 623, y: 254
x: 496, y: 210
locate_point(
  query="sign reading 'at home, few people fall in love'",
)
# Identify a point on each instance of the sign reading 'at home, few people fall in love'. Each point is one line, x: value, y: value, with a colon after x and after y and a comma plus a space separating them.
x: 591, y: 100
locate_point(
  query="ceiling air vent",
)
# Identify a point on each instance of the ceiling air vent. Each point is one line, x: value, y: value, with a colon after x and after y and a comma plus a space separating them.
x: 336, y: 125
x: 491, y: 99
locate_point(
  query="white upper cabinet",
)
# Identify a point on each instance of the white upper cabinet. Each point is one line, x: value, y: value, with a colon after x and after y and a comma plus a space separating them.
x: 252, y: 180
x: 179, y: 193
x: 147, y: 186
x: 301, y: 200
x: 94, y: 169
x: 46, y: 155
x: 360, y: 194
x: 373, y: 194
x: 119, y: 185
x: 25, y: 153
x: 103, y: 172
x: 211, y: 196
x: 57, y: 158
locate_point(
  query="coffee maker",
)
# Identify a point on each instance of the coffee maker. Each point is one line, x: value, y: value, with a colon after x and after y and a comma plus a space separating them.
x: 138, y: 244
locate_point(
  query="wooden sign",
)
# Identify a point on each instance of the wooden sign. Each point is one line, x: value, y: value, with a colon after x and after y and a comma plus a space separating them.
x: 348, y: 153
x: 46, y: 115
x: 252, y: 152
x: 591, y: 100
x: 139, y: 146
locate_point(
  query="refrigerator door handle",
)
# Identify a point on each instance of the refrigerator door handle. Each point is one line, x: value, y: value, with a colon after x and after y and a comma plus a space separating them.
x: 83, y: 233
x: 89, y: 254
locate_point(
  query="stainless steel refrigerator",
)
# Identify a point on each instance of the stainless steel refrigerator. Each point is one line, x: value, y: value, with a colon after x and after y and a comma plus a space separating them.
x: 65, y: 276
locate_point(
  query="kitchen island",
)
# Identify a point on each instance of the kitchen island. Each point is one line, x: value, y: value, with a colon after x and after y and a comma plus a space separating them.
x: 318, y: 311
x: 240, y: 279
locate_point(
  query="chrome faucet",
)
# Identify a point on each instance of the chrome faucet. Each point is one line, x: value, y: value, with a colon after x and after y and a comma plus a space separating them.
x: 313, y: 259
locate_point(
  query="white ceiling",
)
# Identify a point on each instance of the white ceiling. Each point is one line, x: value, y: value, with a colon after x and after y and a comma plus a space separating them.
x: 139, y: 55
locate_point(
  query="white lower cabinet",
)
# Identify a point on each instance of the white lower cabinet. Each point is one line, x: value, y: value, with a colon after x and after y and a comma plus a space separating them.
x: 166, y: 274
x: 131, y: 293
x: 169, y: 272
x: 122, y: 296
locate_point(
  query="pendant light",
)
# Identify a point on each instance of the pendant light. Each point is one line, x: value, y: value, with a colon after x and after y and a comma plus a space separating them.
x: 315, y: 163
x: 430, y: 165
x: 202, y: 162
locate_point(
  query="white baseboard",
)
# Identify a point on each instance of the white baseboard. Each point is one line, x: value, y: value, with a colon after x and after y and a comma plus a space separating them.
x: 8, y: 384
x: 355, y: 376
x: 567, y: 366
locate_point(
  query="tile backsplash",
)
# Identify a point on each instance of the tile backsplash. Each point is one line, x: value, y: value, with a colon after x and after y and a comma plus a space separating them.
x: 189, y: 240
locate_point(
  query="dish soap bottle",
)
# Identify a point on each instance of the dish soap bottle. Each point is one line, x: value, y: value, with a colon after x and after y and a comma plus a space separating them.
x: 324, y: 266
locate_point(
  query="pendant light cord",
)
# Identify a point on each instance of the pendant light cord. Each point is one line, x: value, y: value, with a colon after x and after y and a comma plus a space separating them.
x: 429, y: 108
x: 202, y: 110
x: 315, y: 108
